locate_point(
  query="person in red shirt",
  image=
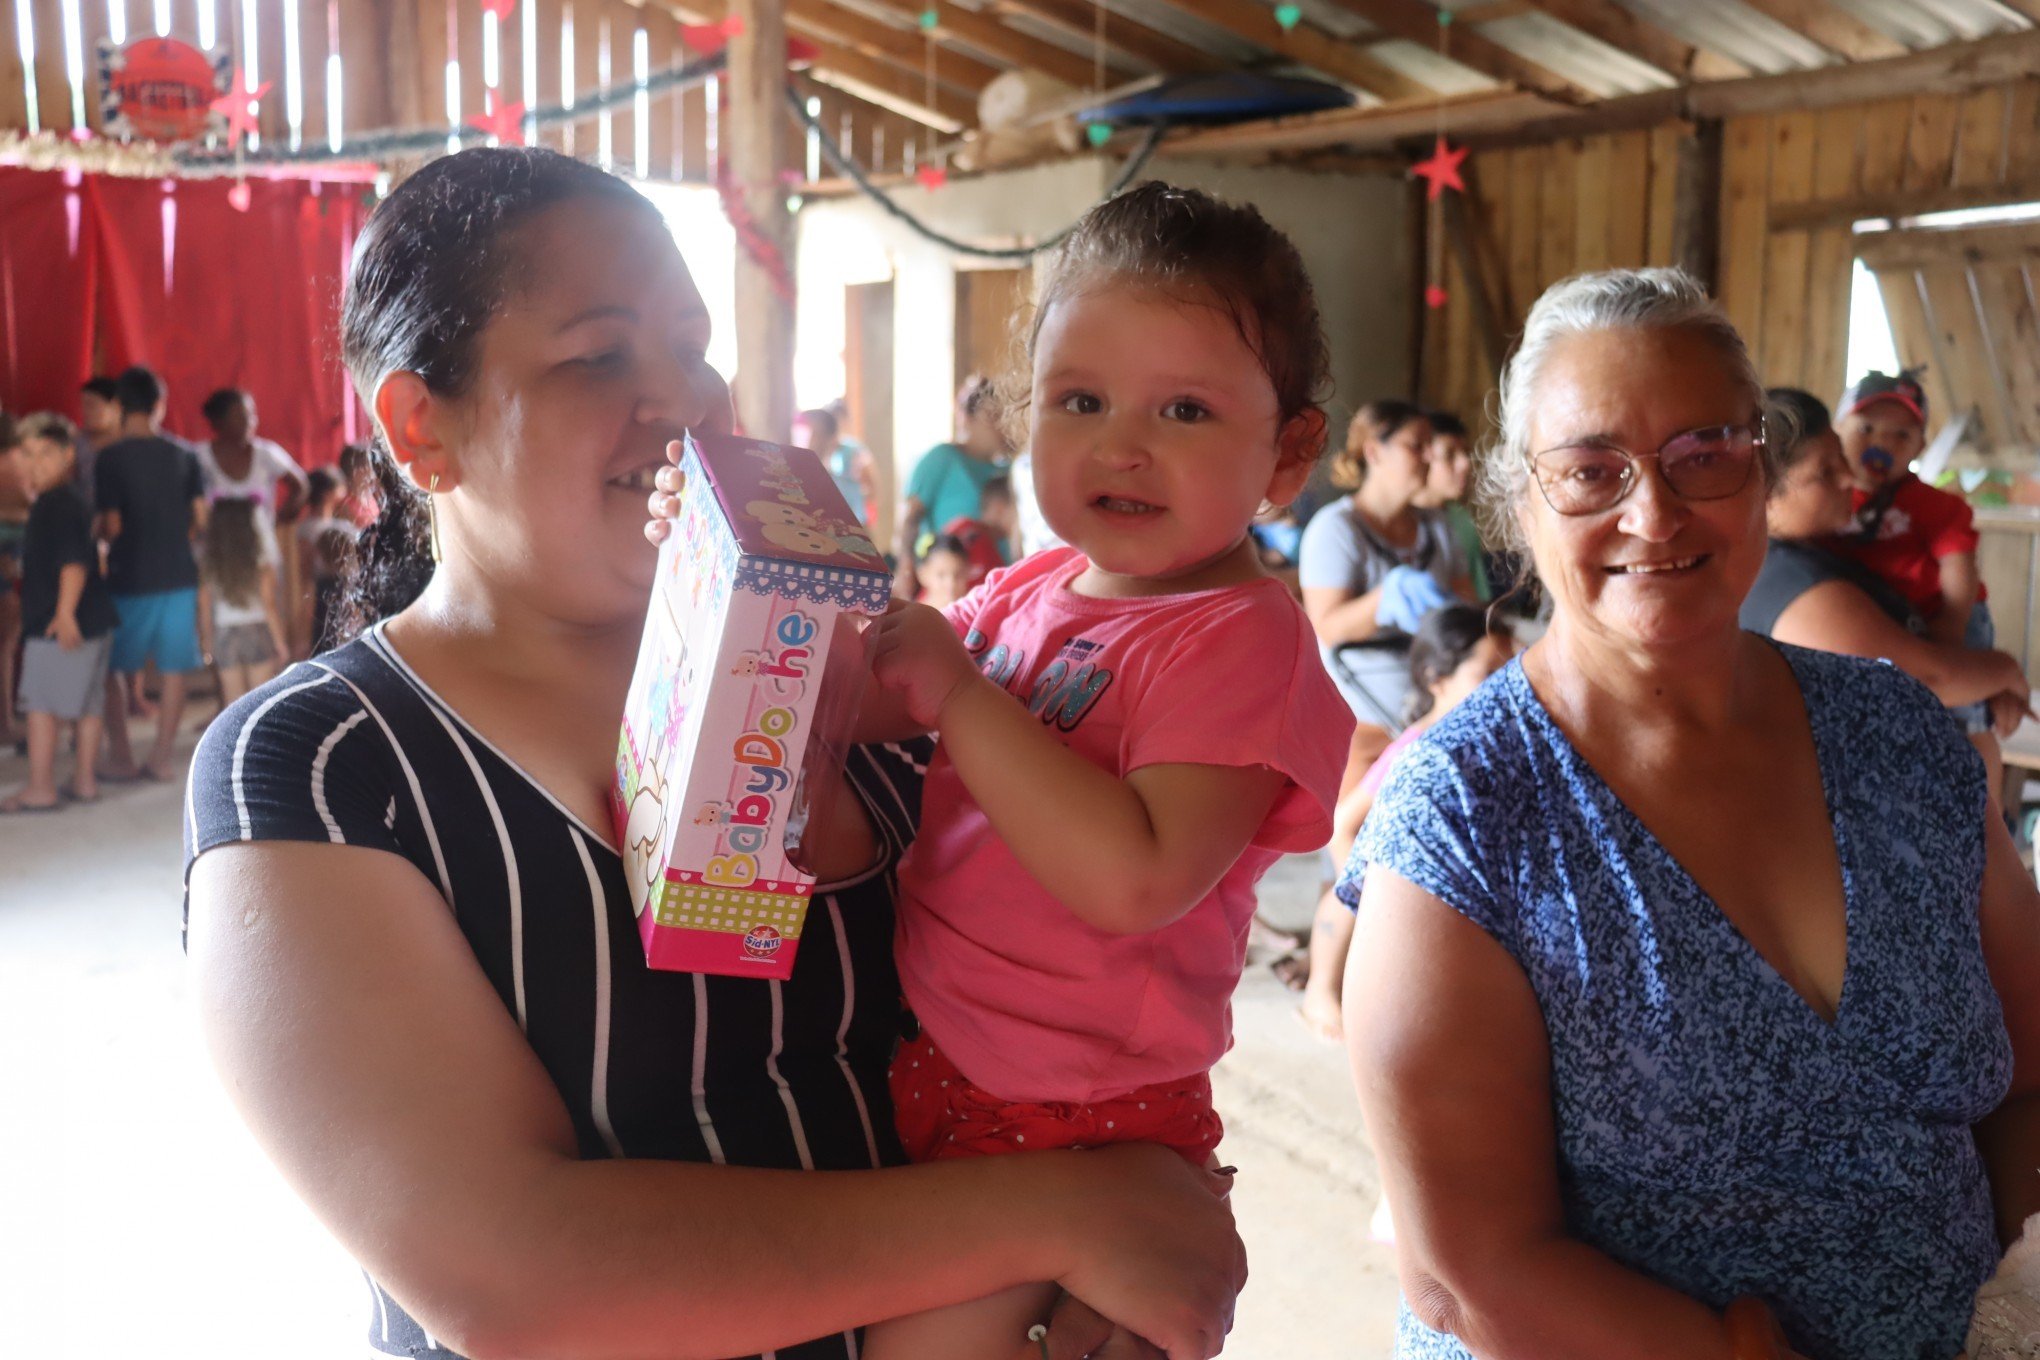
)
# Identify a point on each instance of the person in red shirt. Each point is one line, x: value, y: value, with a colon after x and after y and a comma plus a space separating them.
x: 987, y: 541
x: 1918, y: 539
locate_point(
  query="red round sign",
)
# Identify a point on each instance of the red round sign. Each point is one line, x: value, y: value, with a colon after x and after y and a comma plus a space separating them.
x: 162, y: 89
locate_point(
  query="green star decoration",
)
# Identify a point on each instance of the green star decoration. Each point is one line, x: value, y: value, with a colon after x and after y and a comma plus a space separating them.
x: 1099, y: 133
x: 1287, y: 16
x: 928, y: 20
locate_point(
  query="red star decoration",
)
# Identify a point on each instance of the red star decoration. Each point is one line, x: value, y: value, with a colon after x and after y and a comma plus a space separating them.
x: 504, y: 122
x: 1442, y: 169
x: 240, y: 197
x: 708, y: 39
x: 1434, y: 297
x: 500, y: 8
x: 931, y: 177
x: 239, y: 108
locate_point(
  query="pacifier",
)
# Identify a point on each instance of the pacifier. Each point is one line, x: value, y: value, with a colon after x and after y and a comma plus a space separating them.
x: 1878, y: 460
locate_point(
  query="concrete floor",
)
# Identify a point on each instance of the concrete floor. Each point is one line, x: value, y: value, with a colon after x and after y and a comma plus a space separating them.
x: 136, y: 1214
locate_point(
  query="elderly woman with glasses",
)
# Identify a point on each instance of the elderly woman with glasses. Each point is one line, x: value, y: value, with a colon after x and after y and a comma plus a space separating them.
x: 1689, y: 968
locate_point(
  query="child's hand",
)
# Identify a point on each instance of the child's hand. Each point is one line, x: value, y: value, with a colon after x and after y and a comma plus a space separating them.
x: 64, y: 628
x: 919, y: 654
x: 664, y: 504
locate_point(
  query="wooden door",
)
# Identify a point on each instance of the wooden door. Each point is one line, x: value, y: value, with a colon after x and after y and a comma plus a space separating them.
x: 990, y: 306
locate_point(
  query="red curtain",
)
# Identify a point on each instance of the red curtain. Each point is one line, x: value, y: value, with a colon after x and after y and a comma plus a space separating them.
x: 169, y: 273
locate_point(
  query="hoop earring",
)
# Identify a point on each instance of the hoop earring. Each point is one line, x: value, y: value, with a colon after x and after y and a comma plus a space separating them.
x: 432, y: 518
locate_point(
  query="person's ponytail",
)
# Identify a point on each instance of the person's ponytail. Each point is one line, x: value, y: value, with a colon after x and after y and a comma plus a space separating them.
x: 392, y: 560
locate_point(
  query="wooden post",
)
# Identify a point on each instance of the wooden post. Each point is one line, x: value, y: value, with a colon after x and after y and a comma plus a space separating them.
x: 1696, y: 205
x: 755, y: 143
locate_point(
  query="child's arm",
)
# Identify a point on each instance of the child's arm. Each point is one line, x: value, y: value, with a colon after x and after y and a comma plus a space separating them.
x: 205, y: 621
x: 70, y: 590
x: 1126, y: 856
x: 272, y: 613
x: 1959, y: 589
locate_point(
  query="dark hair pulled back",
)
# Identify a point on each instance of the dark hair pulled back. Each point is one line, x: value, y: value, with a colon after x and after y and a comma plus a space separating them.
x: 430, y: 270
x: 1443, y: 641
x: 1797, y: 418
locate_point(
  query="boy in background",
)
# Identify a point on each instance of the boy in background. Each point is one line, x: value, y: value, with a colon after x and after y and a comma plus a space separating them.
x: 67, y: 617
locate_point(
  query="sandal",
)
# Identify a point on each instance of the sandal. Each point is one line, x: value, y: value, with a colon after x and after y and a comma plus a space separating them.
x: 15, y: 806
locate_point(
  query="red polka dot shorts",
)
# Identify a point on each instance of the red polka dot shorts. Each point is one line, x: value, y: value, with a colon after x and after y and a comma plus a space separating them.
x: 941, y: 1114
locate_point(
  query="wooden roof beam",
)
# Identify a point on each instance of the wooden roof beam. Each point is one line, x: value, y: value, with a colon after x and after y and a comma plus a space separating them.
x: 990, y: 36
x: 901, y: 47
x: 1417, y: 22
x: 1305, y: 45
x: 1626, y: 32
x: 1832, y: 27
x: 887, y: 86
x: 1131, y: 37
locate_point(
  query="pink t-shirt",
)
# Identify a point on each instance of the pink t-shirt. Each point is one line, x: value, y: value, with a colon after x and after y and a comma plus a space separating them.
x: 1028, y: 1001
x: 1377, y: 773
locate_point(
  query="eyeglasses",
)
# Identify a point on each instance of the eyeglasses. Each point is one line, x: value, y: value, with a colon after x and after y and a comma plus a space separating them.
x: 1699, y: 465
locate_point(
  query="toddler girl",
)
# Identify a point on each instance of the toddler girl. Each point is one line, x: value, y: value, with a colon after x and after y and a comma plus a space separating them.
x: 1133, y: 727
x: 240, y: 627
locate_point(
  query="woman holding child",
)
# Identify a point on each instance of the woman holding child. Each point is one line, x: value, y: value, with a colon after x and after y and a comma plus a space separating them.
x: 1731, y: 988
x: 414, y: 945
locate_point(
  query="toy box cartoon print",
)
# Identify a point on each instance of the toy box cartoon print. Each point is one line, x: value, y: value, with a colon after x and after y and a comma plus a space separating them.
x: 747, y: 683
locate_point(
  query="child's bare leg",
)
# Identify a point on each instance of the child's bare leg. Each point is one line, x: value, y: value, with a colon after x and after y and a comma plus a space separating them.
x: 85, y: 779
x: 991, y: 1328
x: 1331, y: 937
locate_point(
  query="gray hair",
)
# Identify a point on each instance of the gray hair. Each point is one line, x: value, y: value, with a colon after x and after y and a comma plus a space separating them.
x: 1615, y: 299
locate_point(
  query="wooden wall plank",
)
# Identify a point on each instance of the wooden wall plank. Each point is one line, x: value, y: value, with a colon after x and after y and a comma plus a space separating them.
x: 1980, y: 139
x: 619, y: 31
x: 1781, y: 351
x: 510, y: 40
x: 1961, y: 348
x: 52, y: 85
x: 1930, y: 141
x: 2022, y: 131
x: 694, y: 159
x: 1592, y: 205
x: 1628, y: 199
x: 664, y: 151
x: 2008, y: 316
x: 1745, y: 193
x: 364, y: 79
x: 585, y: 135
x: 268, y: 43
x: 466, y: 35
x: 1837, y: 168
x: 312, y: 66
x: 1557, y: 216
x: 1663, y: 193
x: 1520, y: 231
x: 1887, y: 125
x: 432, y: 57
x: 1910, y: 333
x: 1461, y: 378
x: 548, y: 21
x: 13, y: 73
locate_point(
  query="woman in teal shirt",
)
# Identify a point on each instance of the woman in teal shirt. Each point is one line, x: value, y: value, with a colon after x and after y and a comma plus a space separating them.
x: 948, y: 483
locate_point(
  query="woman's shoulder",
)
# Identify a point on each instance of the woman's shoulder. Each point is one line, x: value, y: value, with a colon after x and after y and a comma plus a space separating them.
x: 1864, y: 696
x: 308, y: 756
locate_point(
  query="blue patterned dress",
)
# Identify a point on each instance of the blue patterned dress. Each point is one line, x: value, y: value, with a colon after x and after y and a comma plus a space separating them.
x: 1714, y: 1132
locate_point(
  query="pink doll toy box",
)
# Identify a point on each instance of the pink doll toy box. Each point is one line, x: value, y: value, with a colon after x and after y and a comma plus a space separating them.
x: 746, y: 686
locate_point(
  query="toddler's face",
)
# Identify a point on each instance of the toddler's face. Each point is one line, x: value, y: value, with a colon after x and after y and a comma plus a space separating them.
x: 1881, y: 441
x: 1155, y: 436
x: 945, y: 578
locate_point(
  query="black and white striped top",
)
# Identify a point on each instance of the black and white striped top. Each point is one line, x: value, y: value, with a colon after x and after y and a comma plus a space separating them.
x: 353, y: 748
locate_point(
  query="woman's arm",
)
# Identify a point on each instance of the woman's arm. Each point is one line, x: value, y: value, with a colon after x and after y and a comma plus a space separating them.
x: 1124, y: 855
x: 2010, y: 1138
x: 1835, y: 616
x: 906, y: 582
x: 385, y: 1077
x: 1453, y: 1068
x: 1338, y: 615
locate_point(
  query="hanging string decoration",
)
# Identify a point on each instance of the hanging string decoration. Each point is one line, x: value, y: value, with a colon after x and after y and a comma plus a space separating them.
x: 1441, y: 170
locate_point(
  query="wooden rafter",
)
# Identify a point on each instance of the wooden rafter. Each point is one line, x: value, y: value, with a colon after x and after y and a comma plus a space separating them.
x: 1828, y: 24
x: 874, y: 81
x: 887, y: 86
x: 1417, y: 22
x: 1626, y: 32
x: 1150, y: 45
x: 1313, y: 47
x: 990, y: 36
x: 901, y: 47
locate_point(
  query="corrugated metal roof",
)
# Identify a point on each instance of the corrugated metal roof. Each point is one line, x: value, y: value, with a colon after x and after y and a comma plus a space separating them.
x: 1587, y: 62
x: 1424, y: 65
x: 1735, y: 31
x: 1164, y: 17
